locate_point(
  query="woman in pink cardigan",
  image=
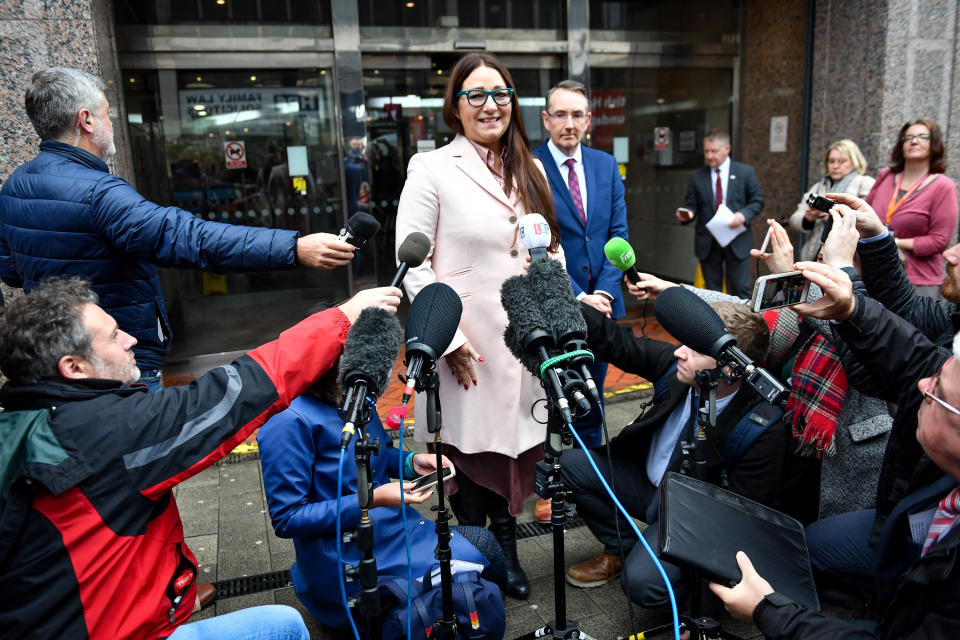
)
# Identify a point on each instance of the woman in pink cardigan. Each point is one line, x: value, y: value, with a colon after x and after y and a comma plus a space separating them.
x: 918, y: 203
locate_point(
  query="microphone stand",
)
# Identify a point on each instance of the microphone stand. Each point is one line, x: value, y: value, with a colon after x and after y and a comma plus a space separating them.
x: 367, y: 601
x: 694, y: 455
x: 549, y: 484
x: 446, y: 622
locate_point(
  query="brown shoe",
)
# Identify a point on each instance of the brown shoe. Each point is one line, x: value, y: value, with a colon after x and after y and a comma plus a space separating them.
x: 206, y: 594
x: 596, y: 572
x: 543, y: 510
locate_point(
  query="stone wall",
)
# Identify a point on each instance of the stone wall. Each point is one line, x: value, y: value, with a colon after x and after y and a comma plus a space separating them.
x: 35, y: 34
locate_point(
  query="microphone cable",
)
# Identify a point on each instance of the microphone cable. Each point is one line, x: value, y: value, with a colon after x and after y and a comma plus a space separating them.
x: 646, y: 546
x: 339, y: 544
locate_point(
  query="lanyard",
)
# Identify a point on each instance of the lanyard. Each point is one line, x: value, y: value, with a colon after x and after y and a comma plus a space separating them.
x: 896, y: 202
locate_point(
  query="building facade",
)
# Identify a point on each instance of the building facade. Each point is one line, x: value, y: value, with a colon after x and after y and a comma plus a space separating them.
x: 296, y: 113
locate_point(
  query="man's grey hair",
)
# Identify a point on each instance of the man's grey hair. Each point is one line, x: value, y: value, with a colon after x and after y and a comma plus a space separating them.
x: 569, y: 85
x: 717, y: 135
x: 40, y: 327
x: 56, y: 95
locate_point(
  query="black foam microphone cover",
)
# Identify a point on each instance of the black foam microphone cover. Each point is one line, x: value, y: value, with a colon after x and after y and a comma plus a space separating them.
x: 371, y: 347
x: 433, y: 319
x: 691, y: 321
x: 524, y: 317
x: 414, y: 249
x: 361, y: 227
x: 549, y: 285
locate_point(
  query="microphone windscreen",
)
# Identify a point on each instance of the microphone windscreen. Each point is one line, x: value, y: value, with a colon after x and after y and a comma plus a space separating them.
x: 549, y: 285
x: 371, y: 347
x: 619, y: 253
x: 689, y: 319
x: 524, y: 316
x: 362, y: 225
x: 433, y: 318
x: 414, y: 249
x: 534, y: 231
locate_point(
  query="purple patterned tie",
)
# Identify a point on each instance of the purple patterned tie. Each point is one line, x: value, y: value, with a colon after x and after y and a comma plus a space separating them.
x: 573, y: 183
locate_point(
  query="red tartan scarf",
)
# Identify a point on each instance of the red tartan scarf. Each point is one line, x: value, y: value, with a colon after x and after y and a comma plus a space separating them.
x: 817, y: 384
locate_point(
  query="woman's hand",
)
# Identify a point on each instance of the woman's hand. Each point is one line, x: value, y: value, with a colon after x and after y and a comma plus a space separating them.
x: 388, y: 495
x: 461, y: 361
x: 840, y: 246
x: 649, y: 286
x: 780, y: 258
x: 812, y: 215
x: 424, y: 463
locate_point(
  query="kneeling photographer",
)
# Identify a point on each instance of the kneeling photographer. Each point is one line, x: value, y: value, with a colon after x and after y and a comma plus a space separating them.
x: 656, y: 441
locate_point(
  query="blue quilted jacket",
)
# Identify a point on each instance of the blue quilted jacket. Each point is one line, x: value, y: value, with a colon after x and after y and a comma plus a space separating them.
x: 64, y: 214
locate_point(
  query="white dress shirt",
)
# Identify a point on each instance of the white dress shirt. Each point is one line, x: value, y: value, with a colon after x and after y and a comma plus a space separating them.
x: 724, y: 178
x: 560, y: 157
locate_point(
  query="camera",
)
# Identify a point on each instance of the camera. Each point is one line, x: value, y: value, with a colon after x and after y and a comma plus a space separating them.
x: 820, y: 203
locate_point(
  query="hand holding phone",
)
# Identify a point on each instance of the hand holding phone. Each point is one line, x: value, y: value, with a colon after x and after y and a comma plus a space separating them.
x: 780, y: 290
x: 428, y: 481
x: 684, y: 214
x: 766, y: 240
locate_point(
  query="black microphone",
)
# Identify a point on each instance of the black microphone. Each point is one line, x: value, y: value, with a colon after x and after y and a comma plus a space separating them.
x: 691, y: 321
x: 529, y: 338
x: 549, y: 284
x: 410, y: 254
x: 431, y: 324
x: 371, y: 347
x: 359, y: 228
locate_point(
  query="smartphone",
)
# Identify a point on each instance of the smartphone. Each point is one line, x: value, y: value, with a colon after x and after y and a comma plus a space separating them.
x: 779, y: 290
x: 424, y: 483
x: 687, y: 213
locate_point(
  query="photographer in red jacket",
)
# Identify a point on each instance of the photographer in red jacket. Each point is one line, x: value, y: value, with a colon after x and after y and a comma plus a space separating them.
x: 91, y: 542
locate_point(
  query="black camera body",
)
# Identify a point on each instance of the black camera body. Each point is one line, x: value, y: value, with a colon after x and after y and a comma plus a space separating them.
x: 820, y: 203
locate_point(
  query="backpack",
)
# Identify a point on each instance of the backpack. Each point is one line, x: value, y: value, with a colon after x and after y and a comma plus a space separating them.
x: 477, y: 605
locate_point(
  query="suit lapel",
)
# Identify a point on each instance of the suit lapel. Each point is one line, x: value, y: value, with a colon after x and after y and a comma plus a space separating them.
x: 706, y: 184
x: 468, y: 160
x: 591, y: 177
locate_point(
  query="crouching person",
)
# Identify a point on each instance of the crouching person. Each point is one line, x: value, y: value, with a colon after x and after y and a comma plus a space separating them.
x: 300, y: 454
x: 91, y: 541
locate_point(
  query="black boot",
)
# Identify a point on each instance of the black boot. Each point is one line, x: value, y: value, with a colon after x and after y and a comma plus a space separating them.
x: 504, y: 527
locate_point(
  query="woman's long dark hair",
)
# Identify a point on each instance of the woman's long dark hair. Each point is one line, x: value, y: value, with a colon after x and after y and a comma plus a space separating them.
x: 518, y: 163
x: 938, y: 152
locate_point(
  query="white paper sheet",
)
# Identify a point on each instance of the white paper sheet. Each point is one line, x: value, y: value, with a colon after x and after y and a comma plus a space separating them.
x: 719, y: 226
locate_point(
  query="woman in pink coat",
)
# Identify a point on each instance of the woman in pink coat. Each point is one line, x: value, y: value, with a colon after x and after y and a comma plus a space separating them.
x: 918, y: 203
x: 468, y: 197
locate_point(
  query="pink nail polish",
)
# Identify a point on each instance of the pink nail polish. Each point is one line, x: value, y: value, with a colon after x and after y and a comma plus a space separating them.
x: 479, y: 358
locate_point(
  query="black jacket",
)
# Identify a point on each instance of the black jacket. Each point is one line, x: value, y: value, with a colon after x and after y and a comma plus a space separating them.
x: 918, y: 595
x: 756, y: 475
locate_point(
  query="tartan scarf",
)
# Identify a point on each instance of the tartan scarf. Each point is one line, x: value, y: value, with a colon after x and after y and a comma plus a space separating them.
x: 818, y: 383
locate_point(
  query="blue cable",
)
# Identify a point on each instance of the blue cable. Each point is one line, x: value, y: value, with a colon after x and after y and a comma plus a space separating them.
x: 339, y: 544
x: 406, y: 532
x: 633, y: 525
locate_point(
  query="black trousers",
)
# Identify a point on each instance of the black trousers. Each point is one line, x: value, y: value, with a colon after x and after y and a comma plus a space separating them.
x: 738, y: 271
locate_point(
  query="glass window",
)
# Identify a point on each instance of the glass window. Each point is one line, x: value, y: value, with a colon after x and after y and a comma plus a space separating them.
x: 268, y: 12
x: 253, y: 148
x: 658, y: 20
x: 544, y: 19
x: 653, y: 120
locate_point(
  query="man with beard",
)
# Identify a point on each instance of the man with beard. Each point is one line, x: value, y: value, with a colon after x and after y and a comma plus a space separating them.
x: 63, y: 213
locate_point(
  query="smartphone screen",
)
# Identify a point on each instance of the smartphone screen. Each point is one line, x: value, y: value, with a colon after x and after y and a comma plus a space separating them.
x: 781, y: 290
x: 429, y: 480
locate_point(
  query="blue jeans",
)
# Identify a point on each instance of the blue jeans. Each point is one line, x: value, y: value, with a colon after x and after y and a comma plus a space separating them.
x: 153, y: 379
x: 269, y: 622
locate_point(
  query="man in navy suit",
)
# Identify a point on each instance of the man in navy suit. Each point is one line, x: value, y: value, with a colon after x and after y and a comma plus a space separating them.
x: 735, y: 185
x: 590, y: 210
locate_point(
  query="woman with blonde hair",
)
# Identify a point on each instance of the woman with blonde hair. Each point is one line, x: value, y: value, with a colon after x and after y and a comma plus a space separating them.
x: 845, y: 171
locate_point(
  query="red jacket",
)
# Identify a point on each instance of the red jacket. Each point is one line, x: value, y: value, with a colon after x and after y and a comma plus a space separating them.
x: 91, y: 542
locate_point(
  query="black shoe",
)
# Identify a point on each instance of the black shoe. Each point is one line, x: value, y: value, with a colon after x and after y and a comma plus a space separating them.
x: 504, y: 528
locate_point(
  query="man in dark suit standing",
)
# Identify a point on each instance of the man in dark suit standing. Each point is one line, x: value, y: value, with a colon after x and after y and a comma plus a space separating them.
x: 734, y: 184
x: 588, y: 200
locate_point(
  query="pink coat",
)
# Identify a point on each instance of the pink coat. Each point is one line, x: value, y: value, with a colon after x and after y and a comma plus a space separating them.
x: 451, y: 196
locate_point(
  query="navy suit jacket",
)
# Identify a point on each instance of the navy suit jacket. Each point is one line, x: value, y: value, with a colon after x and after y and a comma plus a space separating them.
x: 743, y: 195
x: 587, y: 265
